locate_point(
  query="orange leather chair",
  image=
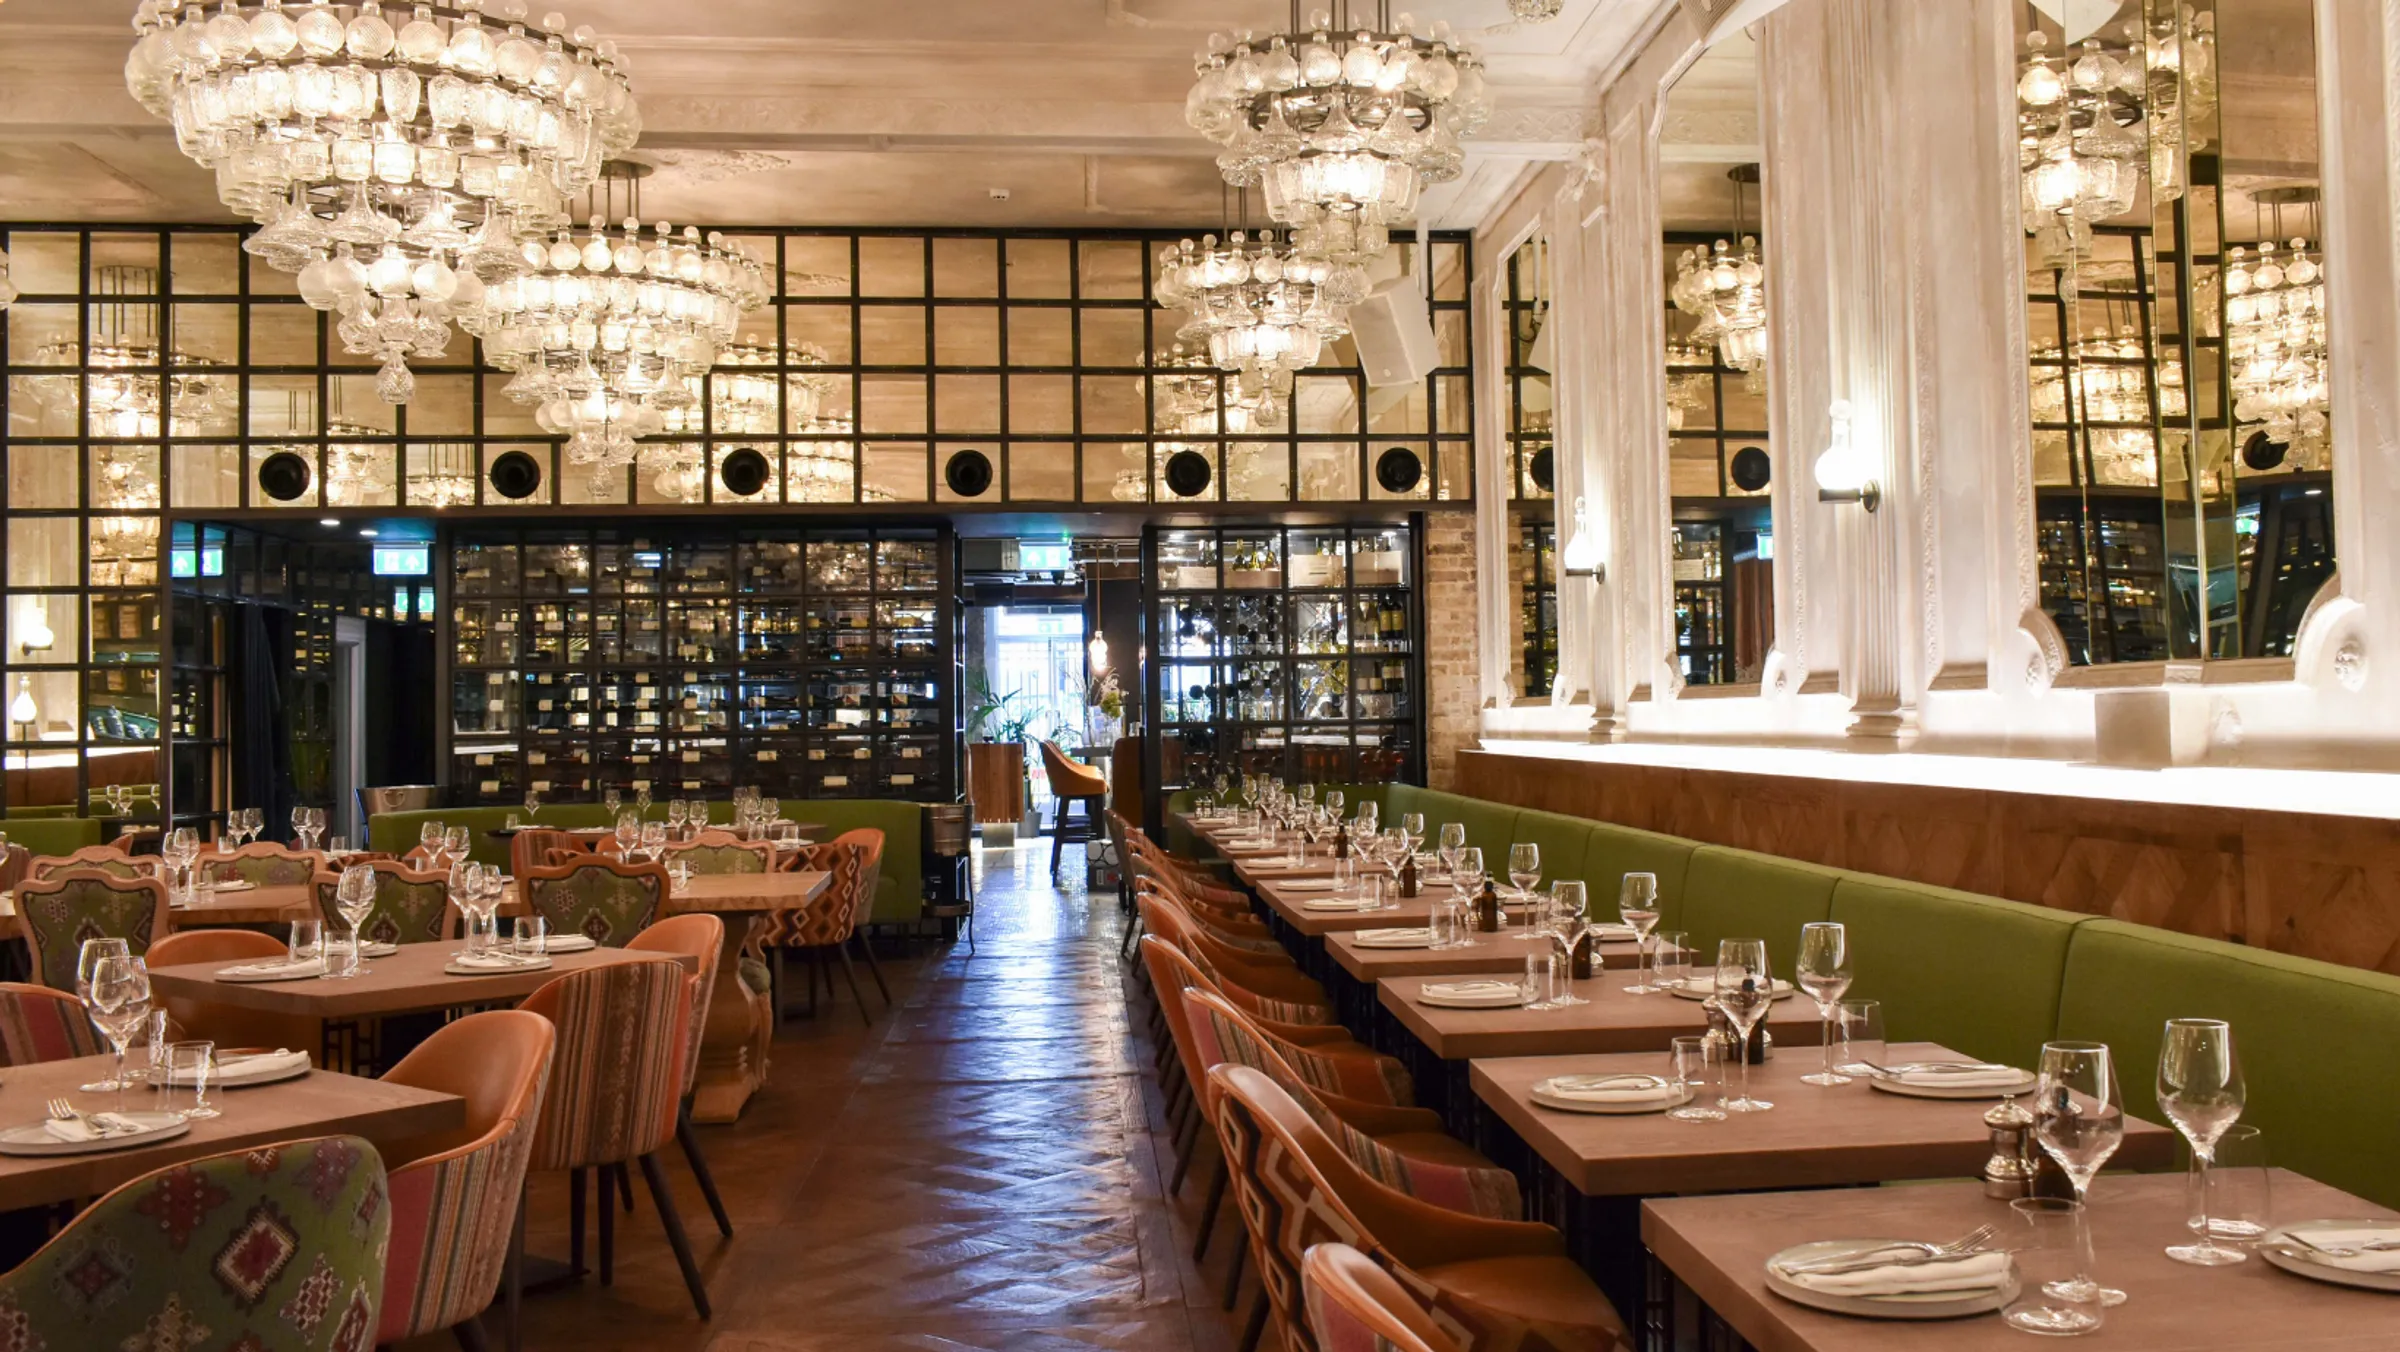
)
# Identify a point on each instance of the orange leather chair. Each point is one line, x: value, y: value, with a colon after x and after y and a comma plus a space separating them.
x: 231, y: 1026
x: 703, y: 937
x: 39, y: 1024
x: 1353, y: 1303
x: 1070, y: 784
x: 855, y: 859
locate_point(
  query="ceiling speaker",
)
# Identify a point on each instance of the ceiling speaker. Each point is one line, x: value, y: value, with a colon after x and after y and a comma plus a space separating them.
x: 284, y: 476
x: 1752, y: 469
x: 1188, y: 473
x: 1394, y: 333
x: 516, y: 475
x: 1542, y: 468
x: 1398, y: 469
x: 968, y: 473
x: 744, y: 472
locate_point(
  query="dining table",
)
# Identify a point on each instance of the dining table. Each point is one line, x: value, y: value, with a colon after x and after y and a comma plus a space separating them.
x: 741, y: 1023
x: 409, y: 980
x: 1483, y: 954
x: 319, y: 1103
x: 1611, y: 1020
x: 1717, y: 1247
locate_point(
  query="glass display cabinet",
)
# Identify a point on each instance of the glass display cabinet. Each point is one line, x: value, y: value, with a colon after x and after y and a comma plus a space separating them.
x: 1286, y: 650
x: 806, y: 663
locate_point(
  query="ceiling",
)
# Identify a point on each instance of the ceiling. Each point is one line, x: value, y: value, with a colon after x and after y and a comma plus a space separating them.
x: 1064, y: 113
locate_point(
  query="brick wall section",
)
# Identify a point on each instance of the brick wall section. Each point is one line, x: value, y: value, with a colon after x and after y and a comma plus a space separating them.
x: 1452, y: 715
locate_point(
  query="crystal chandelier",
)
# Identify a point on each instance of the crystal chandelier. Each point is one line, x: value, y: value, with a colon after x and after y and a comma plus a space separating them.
x: 440, y: 474
x: 2079, y: 162
x: 126, y: 481
x: 676, y: 471
x: 825, y: 471
x: 1727, y: 293
x: 1191, y: 400
x: 742, y: 397
x: 1343, y: 132
x: 390, y: 167
x: 2275, y: 341
x: 1258, y: 308
x: 121, y: 398
x: 2102, y: 390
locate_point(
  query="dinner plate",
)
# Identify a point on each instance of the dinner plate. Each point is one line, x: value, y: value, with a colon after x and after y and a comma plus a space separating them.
x: 1690, y: 988
x: 2027, y: 1079
x: 1566, y: 1103
x: 34, y: 1138
x: 1460, y: 995
x: 246, y: 1071
x: 377, y: 950
x: 1931, y: 1305
x: 304, y: 972
x: 1417, y: 937
x: 2273, y: 1247
x: 1309, y: 885
x: 454, y: 968
x: 1359, y: 905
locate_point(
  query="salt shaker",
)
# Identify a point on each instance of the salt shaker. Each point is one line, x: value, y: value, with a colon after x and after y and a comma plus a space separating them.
x: 2008, y: 1174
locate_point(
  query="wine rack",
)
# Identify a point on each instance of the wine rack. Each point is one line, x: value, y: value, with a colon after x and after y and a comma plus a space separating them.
x: 1289, y: 650
x: 1703, y: 606
x: 807, y: 663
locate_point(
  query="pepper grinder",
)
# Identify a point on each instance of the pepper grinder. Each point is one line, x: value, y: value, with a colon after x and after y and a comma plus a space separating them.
x: 2008, y: 1174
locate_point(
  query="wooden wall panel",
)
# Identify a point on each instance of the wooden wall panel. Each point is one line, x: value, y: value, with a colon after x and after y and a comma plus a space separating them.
x: 2321, y: 887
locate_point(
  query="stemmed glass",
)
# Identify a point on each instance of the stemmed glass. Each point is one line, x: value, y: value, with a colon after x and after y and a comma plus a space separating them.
x: 461, y: 886
x: 1824, y: 972
x: 2200, y: 1089
x: 1333, y: 806
x: 1453, y: 839
x: 609, y: 799
x: 1745, y: 987
x: 430, y: 838
x: 2078, y: 1120
x: 1312, y: 826
x: 1524, y: 870
x: 118, y: 1004
x: 654, y: 840
x: 457, y: 841
x: 354, y: 897
x: 677, y: 814
x: 300, y: 824
x: 489, y: 889
x: 1412, y: 824
x: 181, y: 849
x: 1637, y: 906
x: 120, y: 803
x: 533, y: 804
x: 1569, y: 926
x: 1466, y: 879
x: 87, y: 960
x: 629, y: 834
x: 641, y: 799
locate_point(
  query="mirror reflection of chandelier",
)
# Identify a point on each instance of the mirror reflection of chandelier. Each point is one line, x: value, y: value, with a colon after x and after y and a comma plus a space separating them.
x: 1192, y: 400
x: 1727, y: 292
x: 1257, y: 307
x: 2079, y: 158
x: 124, y: 548
x: 676, y: 471
x: 121, y: 398
x: 2275, y: 343
x: 440, y: 474
x: 2103, y: 391
x: 8, y: 289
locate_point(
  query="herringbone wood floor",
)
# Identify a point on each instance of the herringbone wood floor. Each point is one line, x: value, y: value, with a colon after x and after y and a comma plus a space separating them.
x: 981, y: 1168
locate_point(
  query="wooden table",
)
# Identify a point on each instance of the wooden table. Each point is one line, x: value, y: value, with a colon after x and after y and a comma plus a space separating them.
x: 1491, y: 953
x: 320, y: 1103
x: 404, y: 983
x: 733, y: 1047
x: 1612, y: 1022
x: 1288, y: 904
x: 1718, y: 1246
x: 1815, y: 1136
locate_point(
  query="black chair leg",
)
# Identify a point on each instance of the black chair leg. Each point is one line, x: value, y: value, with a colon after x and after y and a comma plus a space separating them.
x: 1257, y: 1324
x: 575, y: 1220
x: 850, y: 974
x: 866, y: 945
x: 608, y: 1226
x: 1058, y: 836
x: 690, y: 1141
x: 1233, y: 1276
x: 676, y: 1239
x: 470, y: 1335
x: 625, y: 1186
x: 1208, y: 1212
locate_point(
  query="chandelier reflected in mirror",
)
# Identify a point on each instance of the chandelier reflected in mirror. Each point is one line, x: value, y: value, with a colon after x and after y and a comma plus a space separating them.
x: 1725, y: 289
x: 1257, y: 307
x: 393, y: 167
x: 2275, y: 344
x: 122, y: 394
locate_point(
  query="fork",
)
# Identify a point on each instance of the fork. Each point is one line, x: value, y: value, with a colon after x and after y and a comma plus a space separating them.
x: 1927, y: 1253
x: 2341, y: 1251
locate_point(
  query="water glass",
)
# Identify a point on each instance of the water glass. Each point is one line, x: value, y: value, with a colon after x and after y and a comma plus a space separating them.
x: 680, y: 874
x: 189, y: 1068
x: 1670, y: 958
x: 1541, y: 981
x: 532, y: 936
x: 1345, y: 873
x: 1698, y: 1064
x: 154, y: 1045
x: 308, y: 940
x: 2052, y: 1249
x: 2234, y: 1201
x: 1859, y: 1023
x: 341, y: 955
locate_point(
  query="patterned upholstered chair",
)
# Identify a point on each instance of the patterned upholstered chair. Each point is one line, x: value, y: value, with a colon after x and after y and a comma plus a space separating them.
x: 274, y: 1248
x: 15, y: 863
x: 456, y: 1196
x: 263, y: 863
x: 607, y: 900
x: 702, y: 937
x: 614, y: 1085
x: 57, y: 913
x: 410, y: 907
x: 1500, y: 1286
x: 39, y: 1024
x: 723, y: 852
x: 231, y: 1026
x: 107, y: 859
x: 1268, y: 988
x: 855, y: 861
x: 1355, y: 1306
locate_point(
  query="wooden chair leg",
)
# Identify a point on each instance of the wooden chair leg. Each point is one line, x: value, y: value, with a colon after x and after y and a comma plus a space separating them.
x: 1208, y: 1211
x: 676, y: 1239
x: 690, y: 1141
x: 850, y: 974
x: 775, y: 984
x: 608, y: 1226
x: 575, y: 1179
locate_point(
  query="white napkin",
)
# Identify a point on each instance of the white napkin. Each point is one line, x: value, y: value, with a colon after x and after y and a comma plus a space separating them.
x: 1394, y: 938
x: 246, y: 1065
x: 1473, y: 990
x: 90, y: 1127
x: 1309, y: 885
x: 2385, y: 1261
x: 1340, y: 904
x: 2002, y: 1078
x: 279, y: 967
x: 1609, y: 1088
x: 1974, y: 1272
x: 1615, y: 934
x: 570, y: 943
x: 492, y: 962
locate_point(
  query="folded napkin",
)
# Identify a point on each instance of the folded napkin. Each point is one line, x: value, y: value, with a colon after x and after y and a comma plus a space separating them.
x: 1981, y: 1077
x: 245, y: 1065
x: 1615, y: 934
x: 1340, y: 904
x: 90, y: 1127
x: 1610, y: 1088
x: 1417, y: 937
x: 1472, y: 989
x: 571, y: 943
x: 1964, y: 1276
x: 2356, y: 1238
x: 493, y: 962
x: 279, y: 967
x: 1309, y: 885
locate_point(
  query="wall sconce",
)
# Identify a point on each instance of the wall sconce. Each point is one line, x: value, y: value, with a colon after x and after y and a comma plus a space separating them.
x: 1581, y: 557
x: 33, y: 630
x: 1845, y: 473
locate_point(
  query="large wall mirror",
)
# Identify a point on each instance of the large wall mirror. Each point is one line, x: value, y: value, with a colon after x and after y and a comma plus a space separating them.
x: 1720, y: 463
x: 2175, y: 307
x: 1533, y: 468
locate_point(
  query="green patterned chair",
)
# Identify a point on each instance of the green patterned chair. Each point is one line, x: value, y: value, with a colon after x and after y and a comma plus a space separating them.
x: 264, y: 864
x: 275, y: 1248
x: 57, y: 913
x: 411, y: 907
x: 105, y: 858
x: 722, y: 852
x: 39, y: 1024
x: 606, y: 900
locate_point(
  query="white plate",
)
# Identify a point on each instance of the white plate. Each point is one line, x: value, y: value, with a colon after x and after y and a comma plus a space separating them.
x: 1393, y: 938
x: 2269, y: 1248
x: 1354, y: 905
x: 1936, y: 1305
x: 35, y: 1139
x: 375, y: 950
x: 1946, y: 1091
x: 305, y: 972
x: 1690, y: 990
x: 242, y: 1076
x: 1567, y: 1103
x: 454, y: 969
x: 1508, y: 998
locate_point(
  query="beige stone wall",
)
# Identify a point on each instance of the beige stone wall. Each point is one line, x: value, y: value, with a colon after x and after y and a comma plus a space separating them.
x: 1450, y: 657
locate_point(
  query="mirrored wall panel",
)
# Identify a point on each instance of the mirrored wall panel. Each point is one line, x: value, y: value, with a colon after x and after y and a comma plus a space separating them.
x: 1533, y: 467
x: 1720, y: 461
x: 2175, y: 294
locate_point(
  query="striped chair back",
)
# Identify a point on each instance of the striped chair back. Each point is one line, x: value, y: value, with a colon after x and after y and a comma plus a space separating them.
x: 703, y: 936
x: 105, y: 858
x: 15, y: 864
x: 411, y: 907
x: 531, y: 848
x: 617, y: 1076
x: 263, y: 863
x: 1355, y: 1306
x: 602, y: 898
x: 59, y: 912
x: 40, y: 1024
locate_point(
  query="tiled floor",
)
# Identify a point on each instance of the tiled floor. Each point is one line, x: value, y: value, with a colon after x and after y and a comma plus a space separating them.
x: 981, y: 1168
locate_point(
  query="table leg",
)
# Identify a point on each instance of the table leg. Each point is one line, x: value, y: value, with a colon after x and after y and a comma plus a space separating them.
x: 733, y: 1045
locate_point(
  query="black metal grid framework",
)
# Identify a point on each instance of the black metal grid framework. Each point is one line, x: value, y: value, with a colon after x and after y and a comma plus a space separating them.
x: 1536, y: 563
x: 1527, y: 308
x: 687, y: 658
x: 1287, y: 650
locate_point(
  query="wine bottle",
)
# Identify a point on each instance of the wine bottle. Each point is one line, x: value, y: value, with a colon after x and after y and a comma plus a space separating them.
x: 1579, y: 958
x: 1487, y: 909
x: 1409, y: 881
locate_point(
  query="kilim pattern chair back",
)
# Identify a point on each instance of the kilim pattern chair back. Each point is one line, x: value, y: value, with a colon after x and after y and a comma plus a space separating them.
x: 618, y: 1072
x: 411, y: 907
x: 855, y: 861
x: 263, y: 863
x: 1271, y: 989
x: 107, y: 859
x: 57, y: 913
x: 718, y: 852
x: 606, y: 900
x: 40, y: 1024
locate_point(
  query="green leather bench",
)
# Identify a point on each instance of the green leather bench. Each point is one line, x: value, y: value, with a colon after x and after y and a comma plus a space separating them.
x: 52, y: 836
x: 899, y: 891
x: 1973, y: 973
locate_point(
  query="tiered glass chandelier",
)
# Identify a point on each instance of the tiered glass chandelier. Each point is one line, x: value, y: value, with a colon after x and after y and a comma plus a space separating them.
x: 1342, y: 123
x: 1257, y: 307
x: 122, y: 397
x: 1727, y: 292
x: 2080, y: 161
x: 392, y: 167
x: 2275, y: 341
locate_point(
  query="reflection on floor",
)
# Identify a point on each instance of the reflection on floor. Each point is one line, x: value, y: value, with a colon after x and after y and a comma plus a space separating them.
x: 982, y: 1168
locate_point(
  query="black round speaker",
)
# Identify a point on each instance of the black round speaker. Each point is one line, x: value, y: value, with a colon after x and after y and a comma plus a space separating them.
x: 744, y: 472
x: 2261, y: 454
x: 1752, y: 469
x: 1543, y: 470
x: 1188, y: 473
x: 284, y: 476
x: 1398, y: 469
x: 516, y: 475
x: 968, y: 473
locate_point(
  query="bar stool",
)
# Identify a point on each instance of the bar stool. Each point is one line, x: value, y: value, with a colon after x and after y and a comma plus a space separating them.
x: 1071, y: 784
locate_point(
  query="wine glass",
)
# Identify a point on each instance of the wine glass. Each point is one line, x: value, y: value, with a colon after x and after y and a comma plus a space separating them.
x: 88, y: 957
x: 654, y: 840
x: 1524, y: 870
x: 1413, y: 823
x: 629, y: 834
x: 1333, y: 804
x: 2200, y: 1090
x: 491, y: 889
x: 1745, y: 987
x: 1466, y: 875
x: 1307, y: 794
x: 299, y: 823
x: 1454, y: 839
x: 430, y: 838
x: 2078, y: 1120
x: 1824, y: 972
x: 118, y: 1004
x: 1637, y: 907
x: 677, y: 813
x: 1368, y: 816
x: 641, y: 799
x: 1569, y: 926
x: 354, y: 897
x: 609, y: 798
x: 460, y: 885
x: 457, y: 841
x: 315, y: 829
